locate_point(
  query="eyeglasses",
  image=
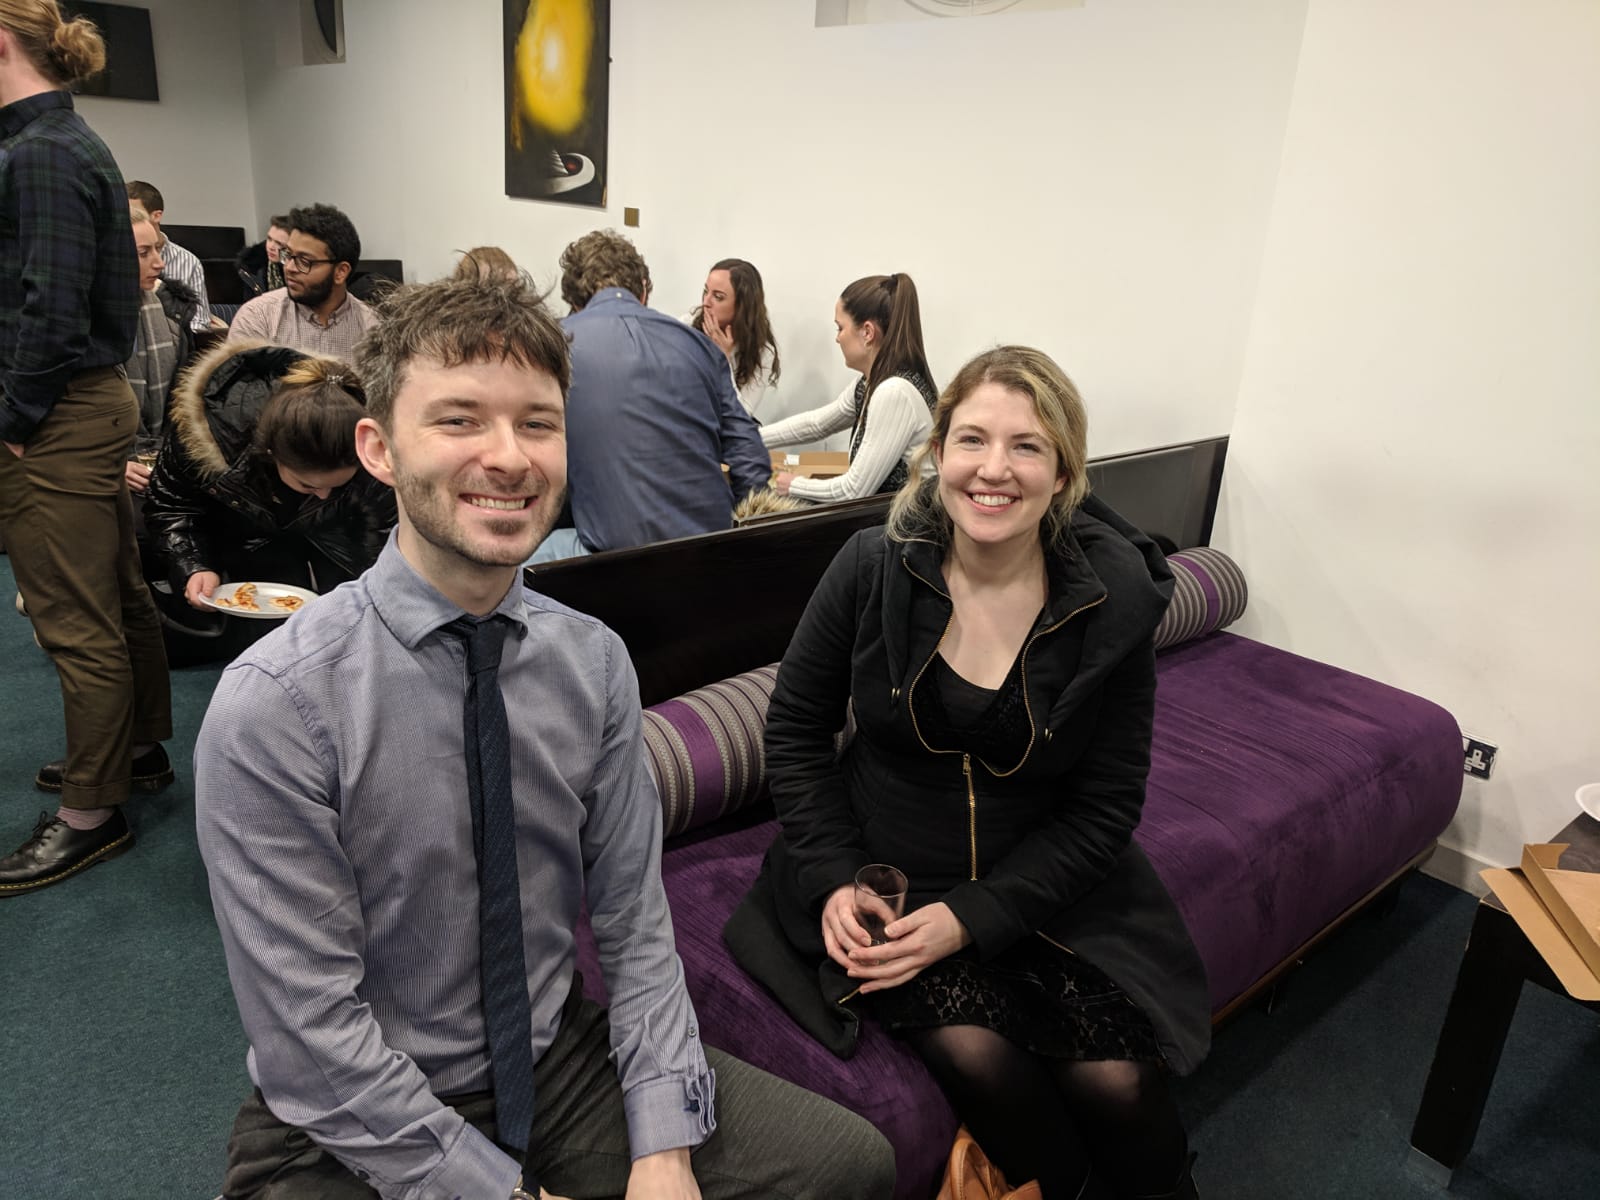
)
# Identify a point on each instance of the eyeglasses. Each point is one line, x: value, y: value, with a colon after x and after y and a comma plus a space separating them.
x: 277, y: 245
x: 301, y: 262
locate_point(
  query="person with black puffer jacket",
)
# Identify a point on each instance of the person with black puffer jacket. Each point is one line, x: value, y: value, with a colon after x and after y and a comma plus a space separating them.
x: 258, y: 479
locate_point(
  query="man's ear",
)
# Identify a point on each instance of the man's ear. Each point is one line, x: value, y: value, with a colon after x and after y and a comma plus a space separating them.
x: 341, y: 272
x: 372, y: 448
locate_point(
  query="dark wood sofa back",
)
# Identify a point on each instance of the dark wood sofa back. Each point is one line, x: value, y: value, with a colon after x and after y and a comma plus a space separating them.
x: 699, y: 609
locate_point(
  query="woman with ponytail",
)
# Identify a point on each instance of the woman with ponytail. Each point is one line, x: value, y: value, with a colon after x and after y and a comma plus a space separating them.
x: 258, y: 476
x: 69, y: 307
x: 888, y: 410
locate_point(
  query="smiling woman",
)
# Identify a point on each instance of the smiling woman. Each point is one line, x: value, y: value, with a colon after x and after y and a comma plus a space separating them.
x: 994, y: 644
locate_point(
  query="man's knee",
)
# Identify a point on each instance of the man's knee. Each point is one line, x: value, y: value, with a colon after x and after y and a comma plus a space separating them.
x: 862, y: 1166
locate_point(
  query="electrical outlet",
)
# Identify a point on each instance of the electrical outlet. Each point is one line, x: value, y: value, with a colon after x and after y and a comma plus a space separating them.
x: 1478, y: 757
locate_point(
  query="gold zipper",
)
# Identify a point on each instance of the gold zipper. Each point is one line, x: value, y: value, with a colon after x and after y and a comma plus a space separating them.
x: 966, y: 759
x: 1027, y: 705
x: 972, y: 813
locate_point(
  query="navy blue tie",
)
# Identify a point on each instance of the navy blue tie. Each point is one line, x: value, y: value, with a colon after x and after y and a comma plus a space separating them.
x: 501, y: 965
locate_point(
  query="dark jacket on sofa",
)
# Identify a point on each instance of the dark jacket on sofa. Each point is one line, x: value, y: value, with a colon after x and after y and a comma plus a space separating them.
x: 1040, y: 846
x: 257, y: 272
x: 213, y: 498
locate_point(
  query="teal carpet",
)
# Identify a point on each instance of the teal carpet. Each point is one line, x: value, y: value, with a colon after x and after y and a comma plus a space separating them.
x: 123, y: 1060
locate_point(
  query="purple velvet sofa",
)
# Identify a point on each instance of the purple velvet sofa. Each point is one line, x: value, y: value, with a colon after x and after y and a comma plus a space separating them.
x: 1284, y: 794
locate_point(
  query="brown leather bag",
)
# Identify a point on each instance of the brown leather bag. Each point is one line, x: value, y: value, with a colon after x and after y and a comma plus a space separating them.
x: 971, y: 1176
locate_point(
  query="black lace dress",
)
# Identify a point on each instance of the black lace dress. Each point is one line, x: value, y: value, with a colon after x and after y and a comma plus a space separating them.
x: 1036, y: 994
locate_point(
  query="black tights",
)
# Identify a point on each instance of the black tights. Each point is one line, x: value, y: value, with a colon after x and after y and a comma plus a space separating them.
x: 1084, y: 1130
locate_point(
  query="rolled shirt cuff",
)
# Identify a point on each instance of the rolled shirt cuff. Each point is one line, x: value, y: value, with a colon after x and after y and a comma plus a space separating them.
x: 474, y: 1166
x: 670, y: 1114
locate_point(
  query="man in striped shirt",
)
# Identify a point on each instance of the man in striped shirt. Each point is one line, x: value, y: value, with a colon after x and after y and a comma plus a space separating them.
x: 180, y: 263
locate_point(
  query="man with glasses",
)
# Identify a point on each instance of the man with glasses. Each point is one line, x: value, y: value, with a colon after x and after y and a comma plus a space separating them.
x: 313, y: 312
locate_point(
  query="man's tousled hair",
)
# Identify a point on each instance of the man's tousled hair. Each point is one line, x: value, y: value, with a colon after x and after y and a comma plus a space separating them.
x: 457, y: 321
x: 599, y: 260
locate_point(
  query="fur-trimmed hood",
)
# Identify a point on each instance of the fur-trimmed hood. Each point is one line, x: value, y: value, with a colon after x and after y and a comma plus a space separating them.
x: 219, y: 399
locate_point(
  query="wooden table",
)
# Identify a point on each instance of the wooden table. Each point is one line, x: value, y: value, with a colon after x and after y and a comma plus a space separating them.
x: 1497, y: 961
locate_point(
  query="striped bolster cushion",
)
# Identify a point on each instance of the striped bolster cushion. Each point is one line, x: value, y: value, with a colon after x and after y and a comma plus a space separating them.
x: 1210, y: 594
x: 705, y: 750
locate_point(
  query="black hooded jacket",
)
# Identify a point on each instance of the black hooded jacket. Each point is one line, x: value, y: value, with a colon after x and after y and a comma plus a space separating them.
x: 1037, y: 847
x: 212, y: 497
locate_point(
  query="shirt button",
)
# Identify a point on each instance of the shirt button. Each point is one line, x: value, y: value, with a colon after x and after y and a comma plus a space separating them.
x: 693, y: 1032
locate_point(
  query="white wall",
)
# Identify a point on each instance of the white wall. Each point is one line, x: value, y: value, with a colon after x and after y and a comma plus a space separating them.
x: 1413, y: 484
x: 194, y: 144
x: 1096, y: 181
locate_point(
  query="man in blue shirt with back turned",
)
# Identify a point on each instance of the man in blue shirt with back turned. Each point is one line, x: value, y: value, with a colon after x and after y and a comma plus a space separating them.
x: 653, y: 413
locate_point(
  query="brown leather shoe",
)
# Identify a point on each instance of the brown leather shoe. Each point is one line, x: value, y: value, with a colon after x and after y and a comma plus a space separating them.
x: 152, y: 771
x: 56, y: 851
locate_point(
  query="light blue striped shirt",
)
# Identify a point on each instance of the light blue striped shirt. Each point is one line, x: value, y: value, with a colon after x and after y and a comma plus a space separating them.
x: 180, y: 264
x: 331, y: 799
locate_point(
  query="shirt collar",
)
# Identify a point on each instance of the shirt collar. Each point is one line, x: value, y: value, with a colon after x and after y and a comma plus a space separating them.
x: 337, y: 315
x: 611, y: 295
x: 413, y: 608
x: 17, y: 115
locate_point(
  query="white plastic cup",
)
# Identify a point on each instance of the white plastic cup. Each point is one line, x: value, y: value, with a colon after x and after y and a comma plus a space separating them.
x: 1588, y: 797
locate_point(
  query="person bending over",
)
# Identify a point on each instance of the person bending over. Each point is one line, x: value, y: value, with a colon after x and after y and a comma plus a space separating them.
x: 404, y: 798
x: 733, y: 314
x: 887, y: 410
x: 995, y: 644
x: 258, y: 476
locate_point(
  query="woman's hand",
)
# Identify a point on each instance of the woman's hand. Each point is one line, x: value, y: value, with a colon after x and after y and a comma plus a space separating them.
x: 721, y: 338
x: 915, y: 942
x: 137, y: 475
x: 841, y: 932
x: 201, y: 583
x: 781, y: 481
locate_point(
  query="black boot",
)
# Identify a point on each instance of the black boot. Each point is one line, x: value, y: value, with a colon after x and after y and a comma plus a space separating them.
x: 56, y: 851
x: 152, y: 771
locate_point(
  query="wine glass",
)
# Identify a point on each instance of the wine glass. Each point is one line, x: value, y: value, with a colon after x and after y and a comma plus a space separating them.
x: 880, y: 899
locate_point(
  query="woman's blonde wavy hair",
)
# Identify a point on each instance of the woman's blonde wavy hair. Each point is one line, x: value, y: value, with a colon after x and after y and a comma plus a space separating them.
x: 66, y: 51
x: 918, y: 512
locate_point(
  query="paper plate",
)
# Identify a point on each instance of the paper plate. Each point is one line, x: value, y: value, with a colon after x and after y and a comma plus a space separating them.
x: 260, y: 601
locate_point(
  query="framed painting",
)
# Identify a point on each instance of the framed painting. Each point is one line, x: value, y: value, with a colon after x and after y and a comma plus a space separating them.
x: 557, y: 99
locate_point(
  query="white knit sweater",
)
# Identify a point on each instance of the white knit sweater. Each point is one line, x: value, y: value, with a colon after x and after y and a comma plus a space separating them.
x: 898, y: 422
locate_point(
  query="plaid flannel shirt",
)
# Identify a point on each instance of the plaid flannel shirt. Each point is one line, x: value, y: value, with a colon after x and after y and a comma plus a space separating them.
x: 69, y: 275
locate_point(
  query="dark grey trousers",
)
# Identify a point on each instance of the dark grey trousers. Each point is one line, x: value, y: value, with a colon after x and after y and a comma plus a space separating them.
x: 773, y: 1139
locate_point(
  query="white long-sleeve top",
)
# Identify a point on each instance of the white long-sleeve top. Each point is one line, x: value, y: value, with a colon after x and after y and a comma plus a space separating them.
x: 756, y: 386
x: 898, y: 422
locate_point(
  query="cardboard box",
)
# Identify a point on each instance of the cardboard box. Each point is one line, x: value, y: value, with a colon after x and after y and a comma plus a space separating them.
x: 813, y: 464
x: 1559, y: 911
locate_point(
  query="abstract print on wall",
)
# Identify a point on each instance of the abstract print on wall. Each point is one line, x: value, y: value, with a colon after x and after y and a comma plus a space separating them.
x: 557, y: 88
